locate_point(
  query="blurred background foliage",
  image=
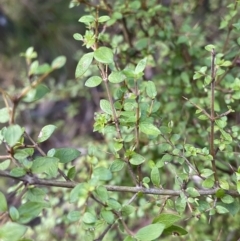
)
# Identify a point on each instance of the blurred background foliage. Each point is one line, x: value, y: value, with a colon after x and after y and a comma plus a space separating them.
x: 172, y: 33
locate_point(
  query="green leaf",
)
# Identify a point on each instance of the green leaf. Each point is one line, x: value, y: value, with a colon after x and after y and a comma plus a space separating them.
x: 206, y: 172
x: 45, y: 133
x: 86, y: 19
x: 127, y: 210
x: 48, y: 165
x: 209, y: 47
x: 151, y: 89
x: 112, y: 203
x: 175, y: 230
x: 5, y: 164
x: 13, y: 134
x: 155, y: 176
x: 166, y: 158
x: 225, y: 135
x: 197, y: 75
x: 227, y: 199
x: 149, y: 129
x: 220, y: 209
x: 102, y: 173
x: 208, y: 183
x: 4, y: 115
x: 59, y: 62
x: 116, y: 77
x: 238, y: 187
x: 224, y: 184
x: 3, y: 203
x: 129, y: 238
x: 180, y: 204
x: 79, y: 191
x: 106, y: 106
x: 102, y: 193
x: 117, y: 146
x: 43, y: 69
x: 12, y: 231
x: 150, y: 232
x: 30, y: 210
x: 233, y: 208
x: 193, y: 192
x: 18, y: 172
x: 103, y: 19
x: 13, y: 213
x: 78, y: 37
x: 33, y: 68
x: 36, y: 194
x: 104, y: 55
x: 174, y: 138
x: 107, y: 216
x: 140, y: 66
x: 207, y: 80
x: 22, y: 154
x: 226, y: 63
x: 83, y: 64
x: 117, y: 165
x: 167, y: 219
x: 30, y: 53
x: 64, y: 155
x: 137, y: 159
x: 89, y: 218
x: 71, y: 173
x: 74, y: 216
x: 36, y: 93
x: 93, y: 81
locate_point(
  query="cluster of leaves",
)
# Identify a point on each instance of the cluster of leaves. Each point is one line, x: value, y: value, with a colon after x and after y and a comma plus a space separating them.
x: 170, y: 143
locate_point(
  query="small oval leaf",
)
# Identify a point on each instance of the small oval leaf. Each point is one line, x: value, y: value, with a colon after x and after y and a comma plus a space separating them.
x: 104, y: 55
x: 116, y: 77
x: 150, y: 232
x: 45, y: 133
x: 93, y: 81
x: 83, y: 64
x: 13, y: 134
x: 106, y: 106
x: 59, y: 62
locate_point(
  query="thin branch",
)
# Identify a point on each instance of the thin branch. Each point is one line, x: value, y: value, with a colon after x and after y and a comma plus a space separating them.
x: 198, y: 107
x: 224, y: 114
x: 101, y: 237
x: 117, y: 214
x: 104, y: 75
x: 5, y: 157
x: 212, y: 119
x: 32, y: 180
x: 139, y: 168
x: 33, y: 85
x: 163, y: 204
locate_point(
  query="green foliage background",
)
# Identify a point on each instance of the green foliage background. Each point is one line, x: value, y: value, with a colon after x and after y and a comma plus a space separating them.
x: 171, y: 36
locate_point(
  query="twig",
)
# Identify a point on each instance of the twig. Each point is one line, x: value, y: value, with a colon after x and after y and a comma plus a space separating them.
x: 212, y: 119
x: 139, y: 168
x: 101, y: 237
x: 198, y: 107
x: 33, y: 85
x: 33, y: 180
x: 104, y: 75
x: 224, y: 114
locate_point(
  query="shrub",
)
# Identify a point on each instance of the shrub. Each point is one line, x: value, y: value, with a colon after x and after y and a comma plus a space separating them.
x: 167, y: 160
